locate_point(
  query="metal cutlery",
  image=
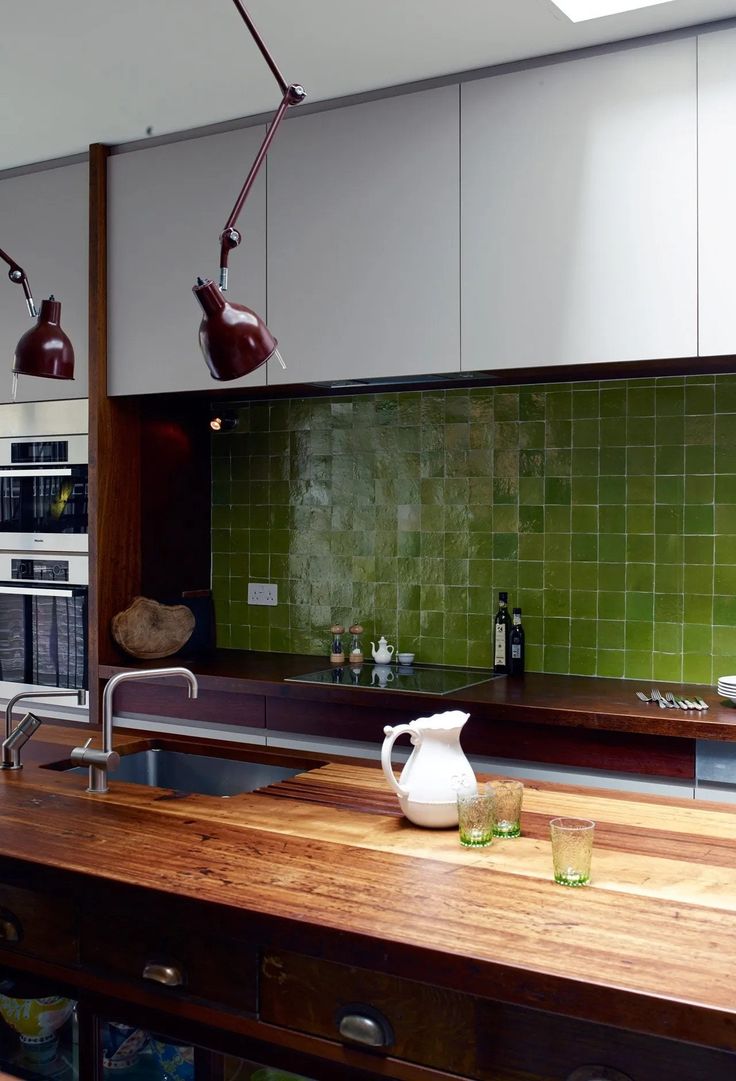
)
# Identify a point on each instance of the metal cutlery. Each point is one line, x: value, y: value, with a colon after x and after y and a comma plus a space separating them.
x: 672, y: 701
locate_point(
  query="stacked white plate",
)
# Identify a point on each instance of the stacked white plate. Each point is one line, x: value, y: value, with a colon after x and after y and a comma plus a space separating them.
x: 727, y: 686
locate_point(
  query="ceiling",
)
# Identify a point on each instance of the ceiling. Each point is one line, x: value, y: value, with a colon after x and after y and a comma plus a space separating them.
x: 84, y: 71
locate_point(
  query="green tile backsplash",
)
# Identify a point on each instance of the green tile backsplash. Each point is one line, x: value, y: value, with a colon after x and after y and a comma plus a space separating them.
x: 607, y: 510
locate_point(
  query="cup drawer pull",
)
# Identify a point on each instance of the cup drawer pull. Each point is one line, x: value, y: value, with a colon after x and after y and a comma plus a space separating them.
x: 10, y: 929
x: 365, y: 1026
x: 168, y: 975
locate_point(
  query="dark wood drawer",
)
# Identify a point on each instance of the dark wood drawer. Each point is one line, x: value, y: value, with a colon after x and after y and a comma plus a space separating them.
x: 168, y: 698
x: 167, y: 948
x: 38, y: 925
x: 468, y: 1035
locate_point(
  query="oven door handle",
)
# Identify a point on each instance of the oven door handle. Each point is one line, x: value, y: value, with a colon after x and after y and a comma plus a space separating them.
x: 32, y: 591
x: 34, y: 472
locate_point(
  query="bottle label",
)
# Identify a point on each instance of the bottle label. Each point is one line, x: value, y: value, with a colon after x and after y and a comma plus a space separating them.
x: 500, y: 651
x: 516, y: 651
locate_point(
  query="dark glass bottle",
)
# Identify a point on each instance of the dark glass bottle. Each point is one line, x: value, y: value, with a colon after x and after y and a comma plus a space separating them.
x: 516, y: 645
x: 501, y: 633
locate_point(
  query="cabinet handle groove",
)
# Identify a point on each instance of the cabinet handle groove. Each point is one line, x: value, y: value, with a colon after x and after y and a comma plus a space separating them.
x: 10, y: 928
x: 168, y: 975
x: 365, y: 1026
x: 597, y: 1073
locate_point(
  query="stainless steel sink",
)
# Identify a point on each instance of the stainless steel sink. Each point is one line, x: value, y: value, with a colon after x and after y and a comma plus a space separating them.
x: 196, y: 772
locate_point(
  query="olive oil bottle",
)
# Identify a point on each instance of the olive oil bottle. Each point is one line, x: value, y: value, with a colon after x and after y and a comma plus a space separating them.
x: 516, y: 645
x: 501, y: 635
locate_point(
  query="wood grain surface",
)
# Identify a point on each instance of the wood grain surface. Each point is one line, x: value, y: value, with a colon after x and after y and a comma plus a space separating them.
x: 650, y: 945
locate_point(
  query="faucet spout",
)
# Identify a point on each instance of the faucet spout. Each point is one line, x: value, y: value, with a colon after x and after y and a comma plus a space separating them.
x: 100, y: 762
x: 14, y: 740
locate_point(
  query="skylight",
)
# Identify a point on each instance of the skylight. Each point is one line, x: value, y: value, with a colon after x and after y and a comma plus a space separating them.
x: 578, y: 10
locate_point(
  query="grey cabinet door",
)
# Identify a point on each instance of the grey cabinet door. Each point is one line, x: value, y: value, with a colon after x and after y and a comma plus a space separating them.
x: 167, y: 208
x: 363, y: 240
x: 579, y: 211
x: 44, y: 227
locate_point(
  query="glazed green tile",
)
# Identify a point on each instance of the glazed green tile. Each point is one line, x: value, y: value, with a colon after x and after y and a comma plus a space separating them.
x: 583, y: 633
x: 532, y: 404
x: 640, y: 461
x: 559, y: 404
x: 700, y: 459
x: 612, y: 401
x: 725, y: 549
x: 639, y: 634
x: 637, y: 665
x: 584, y: 547
x: 585, y: 575
x: 723, y: 579
x: 698, y: 519
x: 558, y: 462
x: 640, y: 401
x: 535, y: 658
x: 699, y: 431
x: 480, y: 572
x: 531, y: 574
x: 583, y: 519
x: 506, y: 405
x: 724, y: 609
x: 585, y: 433
x: 583, y: 604
x: 667, y: 666
x: 612, y: 433
x: 697, y: 638
x: 611, y: 605
x: 610, y: 663
x: 531, y: 546
x: 558, y: 433
x: 724, y: 643
x: 698, y: 608
x: 699, y: 398
x: 480, y: 546
x: 613, y: 461
x: 585, y: 462
x: 534, y: 628
x: 557, y: 490
x: 612, y: 547
x: 557, y: 659
x: 479, y: 601
x: 557, y: 547
x: 582, y: 661
x: 725, y: 395
x: 557, y: 601
x: 531, y: 490
x: 668, y: 638
x: 612, y: 490
x: 505, y: 574
x: 697, y: 669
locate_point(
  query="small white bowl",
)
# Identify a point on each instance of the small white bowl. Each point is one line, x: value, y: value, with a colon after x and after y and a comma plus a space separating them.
x: 405, y: 658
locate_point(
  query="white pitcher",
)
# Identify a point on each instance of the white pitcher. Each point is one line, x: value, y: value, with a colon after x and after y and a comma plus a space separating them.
x: 436, y: 770
x: 383, y: 654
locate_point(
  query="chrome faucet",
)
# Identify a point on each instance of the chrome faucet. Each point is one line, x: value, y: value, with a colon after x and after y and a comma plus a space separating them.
x: 18, y: 737
x: 100, y: 762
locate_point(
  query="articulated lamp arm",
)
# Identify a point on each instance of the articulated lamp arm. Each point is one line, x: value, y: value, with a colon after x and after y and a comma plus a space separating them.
x: 18, y: 275
x: 293, y: 94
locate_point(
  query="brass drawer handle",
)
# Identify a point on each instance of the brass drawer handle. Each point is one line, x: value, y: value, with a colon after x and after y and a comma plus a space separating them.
x: 10, y: 928
x: 168, y: 975
x: 365, y: 1026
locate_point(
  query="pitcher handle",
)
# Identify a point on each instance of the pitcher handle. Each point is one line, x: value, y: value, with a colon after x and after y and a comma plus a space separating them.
x: 391, y: 735
x: 390, y: 650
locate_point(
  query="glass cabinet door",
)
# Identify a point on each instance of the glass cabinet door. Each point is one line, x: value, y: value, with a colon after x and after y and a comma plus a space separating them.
x: 38, y: 1035
x: 137, y: 1055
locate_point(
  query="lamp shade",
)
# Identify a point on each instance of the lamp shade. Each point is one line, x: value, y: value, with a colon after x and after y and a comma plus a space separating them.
x: 234, y: 340
x: 45, y: 350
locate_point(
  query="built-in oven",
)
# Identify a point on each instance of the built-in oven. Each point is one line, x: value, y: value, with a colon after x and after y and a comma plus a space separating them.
x: 43, y: 493
x: 43, y: 621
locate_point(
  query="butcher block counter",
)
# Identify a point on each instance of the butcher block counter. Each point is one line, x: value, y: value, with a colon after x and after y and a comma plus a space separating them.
x: 285, y: 909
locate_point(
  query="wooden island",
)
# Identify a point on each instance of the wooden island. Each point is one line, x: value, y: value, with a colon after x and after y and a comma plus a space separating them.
x: 284, y: 909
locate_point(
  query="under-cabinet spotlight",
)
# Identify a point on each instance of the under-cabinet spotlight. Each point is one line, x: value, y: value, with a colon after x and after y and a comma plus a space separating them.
x: 234, y: 339
x: 223, y: 422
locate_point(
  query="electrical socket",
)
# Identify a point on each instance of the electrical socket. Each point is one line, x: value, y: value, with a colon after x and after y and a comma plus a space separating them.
x: 263, y: 593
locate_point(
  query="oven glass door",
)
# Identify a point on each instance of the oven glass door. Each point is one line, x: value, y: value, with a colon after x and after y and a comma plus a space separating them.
x: 43, y: 635
x: 34, y: 501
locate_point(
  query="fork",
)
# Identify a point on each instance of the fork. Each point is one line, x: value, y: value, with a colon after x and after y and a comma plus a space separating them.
x: 657, y: 697
x: 640, y: 695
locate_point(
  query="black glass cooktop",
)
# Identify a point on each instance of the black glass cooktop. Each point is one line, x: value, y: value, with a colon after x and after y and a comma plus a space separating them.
x: 396, y: 677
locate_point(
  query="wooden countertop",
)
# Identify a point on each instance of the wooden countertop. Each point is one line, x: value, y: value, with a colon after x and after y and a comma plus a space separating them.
x: 650, y: 945
x: 564, y: 701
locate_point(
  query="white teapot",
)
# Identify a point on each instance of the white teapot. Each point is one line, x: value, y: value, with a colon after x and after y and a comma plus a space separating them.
x: 383, y: 654
x: 436, y: 770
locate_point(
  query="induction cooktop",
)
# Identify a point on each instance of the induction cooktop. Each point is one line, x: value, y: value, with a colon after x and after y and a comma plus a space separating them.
x: 396, y: 677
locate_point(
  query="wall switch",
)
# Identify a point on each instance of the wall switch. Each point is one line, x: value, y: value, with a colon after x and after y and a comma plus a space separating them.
x: 263, y: 593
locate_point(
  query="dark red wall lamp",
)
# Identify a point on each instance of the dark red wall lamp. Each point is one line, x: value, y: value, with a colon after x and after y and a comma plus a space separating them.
x: 234, y: 340
x: 44, y: 350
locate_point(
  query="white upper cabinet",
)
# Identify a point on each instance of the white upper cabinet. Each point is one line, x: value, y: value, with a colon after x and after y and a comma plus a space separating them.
x: 579, y: 211
x: 167, y: 206
x: 363, y: 240
x: 44, y: 227
x: 717, y: 190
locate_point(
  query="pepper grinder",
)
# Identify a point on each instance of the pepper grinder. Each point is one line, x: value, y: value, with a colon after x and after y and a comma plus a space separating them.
x: 356, y: 649
x: 337, y: 654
